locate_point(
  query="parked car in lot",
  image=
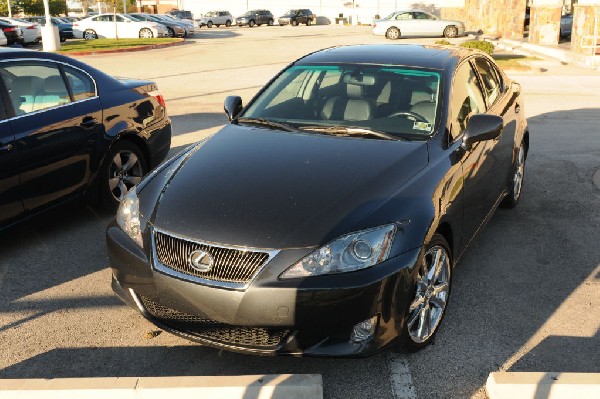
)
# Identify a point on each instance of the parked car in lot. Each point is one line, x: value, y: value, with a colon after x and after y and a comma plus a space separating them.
x: 216, y: 18
x: 65, y: 30
x: 296, y: 17
x: 174, y: 29
x: 189, y: 26
x: 13, y: 33
x: 67, y: 129
x: 32, y: 32
x: 255, y: 17
x: 126, y: 26
x: 327, y: 217
x: 3, y: 40
x: 566, y: 25
x: 181, y: 14
x: 416, y: 23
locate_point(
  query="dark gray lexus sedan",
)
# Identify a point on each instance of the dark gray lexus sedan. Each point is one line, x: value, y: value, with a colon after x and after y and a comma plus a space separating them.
x: 327, y: 217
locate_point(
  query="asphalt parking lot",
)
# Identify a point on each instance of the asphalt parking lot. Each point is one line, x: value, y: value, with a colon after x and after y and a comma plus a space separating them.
x: 526, y: 297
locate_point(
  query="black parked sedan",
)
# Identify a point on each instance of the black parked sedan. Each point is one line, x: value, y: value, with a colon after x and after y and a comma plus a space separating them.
x: 13, y: 33
x: 327, y: 217
x: 67, y: 129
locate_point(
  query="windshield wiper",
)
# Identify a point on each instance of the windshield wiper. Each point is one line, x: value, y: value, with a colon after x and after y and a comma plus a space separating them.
x: 267, y: 122
x: 350, y: 131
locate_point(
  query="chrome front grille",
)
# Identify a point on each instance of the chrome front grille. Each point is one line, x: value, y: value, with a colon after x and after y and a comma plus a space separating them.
x: 232, y: 266
x: 255, y: 337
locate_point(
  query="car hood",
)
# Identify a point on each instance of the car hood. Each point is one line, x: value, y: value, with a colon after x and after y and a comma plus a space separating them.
x: 265, y: 188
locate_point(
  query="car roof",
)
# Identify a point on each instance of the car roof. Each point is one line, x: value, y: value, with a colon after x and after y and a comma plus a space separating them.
x: 424, y: 56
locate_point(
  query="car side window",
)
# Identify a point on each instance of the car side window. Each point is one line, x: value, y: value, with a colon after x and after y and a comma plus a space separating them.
x: 421, y: 15
x: 35, y: 87
x: 404, y: 16
x: 120, y: 18
x: 466, y: 99
x: 82, y: 86
x: 492, y: 83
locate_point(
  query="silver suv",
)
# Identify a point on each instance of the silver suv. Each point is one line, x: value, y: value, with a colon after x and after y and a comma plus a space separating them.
x: 217, y: 18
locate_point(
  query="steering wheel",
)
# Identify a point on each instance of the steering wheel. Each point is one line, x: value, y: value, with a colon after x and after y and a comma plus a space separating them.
x: 410, y: 115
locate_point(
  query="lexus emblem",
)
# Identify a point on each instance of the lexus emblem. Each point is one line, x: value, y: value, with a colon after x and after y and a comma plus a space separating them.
x: 201, y: 261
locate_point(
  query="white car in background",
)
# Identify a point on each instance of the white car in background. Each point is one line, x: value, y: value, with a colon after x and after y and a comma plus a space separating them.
x: 3, y: 41
x: 416, y: 23
x: 125, y: 27
x: 216, y: 18
x: 32, y: 32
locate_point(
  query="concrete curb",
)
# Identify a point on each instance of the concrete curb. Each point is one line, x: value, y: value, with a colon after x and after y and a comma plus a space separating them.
x: 125, y: 50
x: 505, y: 385
x: 274, y: 386
x: 560, y: 54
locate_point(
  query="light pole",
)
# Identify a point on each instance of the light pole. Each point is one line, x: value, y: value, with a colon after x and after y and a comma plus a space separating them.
x: 50, y: 39
x: 9, y: 10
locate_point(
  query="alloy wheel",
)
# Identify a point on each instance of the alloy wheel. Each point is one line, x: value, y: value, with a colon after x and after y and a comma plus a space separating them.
x: 431, y: 295
x: 146, y: 33
x: 519, y: 174
x: 125, y: 171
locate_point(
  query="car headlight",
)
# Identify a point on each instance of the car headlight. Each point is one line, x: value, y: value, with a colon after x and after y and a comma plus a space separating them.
x: 347, y: 253
x: 128, y: 216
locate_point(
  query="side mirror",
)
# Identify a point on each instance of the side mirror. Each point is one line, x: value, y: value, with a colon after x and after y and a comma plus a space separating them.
x: 233, y: 106
x: 482, y: 127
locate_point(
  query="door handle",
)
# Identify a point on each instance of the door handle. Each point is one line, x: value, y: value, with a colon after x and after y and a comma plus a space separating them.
x: 7, y: 147
x: 88, y: 122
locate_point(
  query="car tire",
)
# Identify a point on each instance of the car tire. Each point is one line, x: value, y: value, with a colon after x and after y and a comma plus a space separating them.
x: 270, y: 23
x: 308, y: 22
x: 209, y: 24
x: 90, y: 34
x: 146, y: 33
x: 251, y: 23
x: 228, y: 23
x: 63, y: 39
x: 451, y: 31
x: 294, y: 22
x: 120, y: 172
x: 512, y: 199
x: 425, y: 311
x: 217, y: 25
x: 170, y: 32
x: 393, y: 33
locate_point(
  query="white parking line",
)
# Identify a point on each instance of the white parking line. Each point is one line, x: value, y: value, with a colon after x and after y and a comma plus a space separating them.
x: 400, y: 378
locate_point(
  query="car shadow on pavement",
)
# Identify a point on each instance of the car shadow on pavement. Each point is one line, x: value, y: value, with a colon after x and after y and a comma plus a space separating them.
x: 213, y: 33
x: 196, y: 360
x: 529, y: 278
x: 60, y: 245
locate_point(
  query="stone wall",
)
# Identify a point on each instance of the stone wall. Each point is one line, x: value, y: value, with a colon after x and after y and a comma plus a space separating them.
x: 499, y: 18
x: 582, y: 36
x: 544, y: 27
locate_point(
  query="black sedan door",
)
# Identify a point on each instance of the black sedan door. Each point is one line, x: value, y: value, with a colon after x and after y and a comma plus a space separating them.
x: 482, y: 166
x: 10, y: 198
x: 57, y: 123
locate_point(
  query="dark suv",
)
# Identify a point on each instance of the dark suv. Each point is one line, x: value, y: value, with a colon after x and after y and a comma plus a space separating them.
x: 255, y: 17
x: 296, y: 17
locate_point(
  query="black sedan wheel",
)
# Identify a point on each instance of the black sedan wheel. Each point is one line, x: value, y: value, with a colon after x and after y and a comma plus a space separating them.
x: 90, y: 34
x: 432, y: 290
x: 170, y: 32
x: 450, y: 31
x: 512, y: 199
x: 270, y: 23
x: 124, y: 167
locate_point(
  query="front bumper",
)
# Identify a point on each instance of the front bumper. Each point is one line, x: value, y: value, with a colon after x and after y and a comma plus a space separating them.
x: 312, y: 317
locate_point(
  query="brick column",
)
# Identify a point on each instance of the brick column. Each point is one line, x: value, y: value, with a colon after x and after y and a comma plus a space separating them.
x: 586, y: 27
x: 544, y: 25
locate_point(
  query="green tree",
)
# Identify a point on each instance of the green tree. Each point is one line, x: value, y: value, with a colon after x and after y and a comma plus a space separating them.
x: 36, y: 7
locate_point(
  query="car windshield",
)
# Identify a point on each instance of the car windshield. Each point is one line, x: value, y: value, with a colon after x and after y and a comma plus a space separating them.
x: 248, y: 13
x: 394, y: 100
x: 292, y: 12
